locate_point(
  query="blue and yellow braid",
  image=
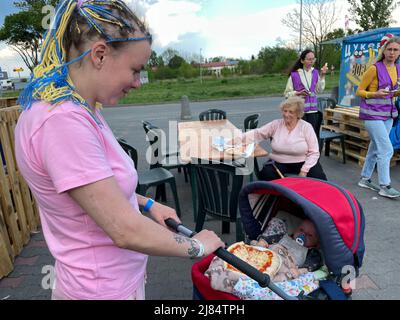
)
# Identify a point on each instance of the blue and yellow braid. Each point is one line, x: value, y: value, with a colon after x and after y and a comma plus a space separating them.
x: 50, y: 80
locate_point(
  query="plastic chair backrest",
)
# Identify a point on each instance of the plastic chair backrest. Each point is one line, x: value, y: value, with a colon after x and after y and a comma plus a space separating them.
x: 335, y: 93
x: 251, y: 122
x: 155, y: 140
x: 324, y: 103
x: 131, y: 151
x: 147, y: 126
x: 153, y: 136
x: 212, y: 114
x: 218, y: 188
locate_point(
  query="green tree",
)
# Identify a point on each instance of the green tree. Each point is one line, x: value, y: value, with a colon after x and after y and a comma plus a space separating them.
x: 188, y: 71
x: 284, y: 59
x: 277, y: 59
x: 372, y: 14
x: 175, y: 62
x: 23, y: 31
x: 168, y: 54
x: 319, y: 18
x: 331, y: 53
x: 154, y: 59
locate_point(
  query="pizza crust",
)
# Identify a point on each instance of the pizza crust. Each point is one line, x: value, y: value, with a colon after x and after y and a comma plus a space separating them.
x: 263, y: 259
x: 236, y: 151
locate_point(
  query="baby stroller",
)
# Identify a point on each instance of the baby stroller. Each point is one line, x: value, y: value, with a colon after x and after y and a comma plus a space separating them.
x: 336, y: 214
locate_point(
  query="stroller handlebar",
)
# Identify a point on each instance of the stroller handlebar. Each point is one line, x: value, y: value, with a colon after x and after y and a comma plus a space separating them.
x: 263, y: 279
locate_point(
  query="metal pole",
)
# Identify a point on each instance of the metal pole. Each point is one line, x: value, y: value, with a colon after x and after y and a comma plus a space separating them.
x: 201, y: 69
x: 301, y: 24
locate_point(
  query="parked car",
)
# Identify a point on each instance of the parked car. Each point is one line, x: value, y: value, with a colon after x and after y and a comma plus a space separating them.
x: 7, y: 85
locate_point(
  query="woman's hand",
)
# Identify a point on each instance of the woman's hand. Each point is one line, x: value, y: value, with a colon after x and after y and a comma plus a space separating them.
x: 324, y: 69
x: 302, y: 93
x: 210, y: 241
x: 302, y: 174
x: 381, y: 93
x: 160, y: 212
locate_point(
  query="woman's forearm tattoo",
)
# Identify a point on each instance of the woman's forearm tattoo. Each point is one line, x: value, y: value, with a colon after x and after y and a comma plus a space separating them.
x: 194, y: 247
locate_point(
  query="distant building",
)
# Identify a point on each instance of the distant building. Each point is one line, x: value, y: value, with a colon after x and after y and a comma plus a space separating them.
x: 216, y: 67
x: 144, y: 77
x: 3, y: 75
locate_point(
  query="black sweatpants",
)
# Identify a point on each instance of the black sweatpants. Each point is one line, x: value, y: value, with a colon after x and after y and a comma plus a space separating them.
x: 269, y: 173
x: 312, y: 118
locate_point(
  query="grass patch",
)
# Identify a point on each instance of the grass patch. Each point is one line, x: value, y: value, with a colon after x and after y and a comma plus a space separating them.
x: 214, y: 88
x: 210, y: 89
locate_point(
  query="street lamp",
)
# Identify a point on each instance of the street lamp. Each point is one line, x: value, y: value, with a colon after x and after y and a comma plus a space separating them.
x: 201, y: 69
x: 301, y: 23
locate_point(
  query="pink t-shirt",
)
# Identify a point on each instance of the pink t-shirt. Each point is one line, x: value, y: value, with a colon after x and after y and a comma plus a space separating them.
x: 299, y: 145
x: 61, y: 149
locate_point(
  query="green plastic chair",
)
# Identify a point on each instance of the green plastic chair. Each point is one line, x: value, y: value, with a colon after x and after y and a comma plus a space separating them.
x: 212, y: 114
x: 217, y: 190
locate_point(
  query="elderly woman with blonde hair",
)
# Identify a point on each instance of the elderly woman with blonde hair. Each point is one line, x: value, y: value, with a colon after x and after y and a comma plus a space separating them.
x: 293, y: 141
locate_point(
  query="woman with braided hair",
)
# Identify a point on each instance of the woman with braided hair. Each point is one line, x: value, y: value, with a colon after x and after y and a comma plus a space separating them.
x: 82, y: 180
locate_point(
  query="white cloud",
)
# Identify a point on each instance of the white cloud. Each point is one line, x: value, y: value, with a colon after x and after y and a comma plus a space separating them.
x: 9, y: 60
x: 247, y: 34
x: 172, y: 19
x: 179, y: 24
x: 7, y: 53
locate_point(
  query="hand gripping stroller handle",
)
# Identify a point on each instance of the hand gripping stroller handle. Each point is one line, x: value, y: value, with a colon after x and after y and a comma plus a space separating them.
x: 263, y: 279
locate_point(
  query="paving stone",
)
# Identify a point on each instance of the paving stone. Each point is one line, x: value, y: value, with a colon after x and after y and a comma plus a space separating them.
x: 11, y: 282
x: 21, y: 261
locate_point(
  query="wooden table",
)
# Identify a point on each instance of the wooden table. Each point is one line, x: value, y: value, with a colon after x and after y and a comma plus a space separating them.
x: 195, y: 140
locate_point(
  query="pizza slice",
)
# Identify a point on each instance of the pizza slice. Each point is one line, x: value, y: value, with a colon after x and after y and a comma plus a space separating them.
x: 263, y: 259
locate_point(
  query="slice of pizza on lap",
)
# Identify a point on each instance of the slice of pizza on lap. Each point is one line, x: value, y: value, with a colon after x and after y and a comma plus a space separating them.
x: 263, y: 259
x: 224, y: 277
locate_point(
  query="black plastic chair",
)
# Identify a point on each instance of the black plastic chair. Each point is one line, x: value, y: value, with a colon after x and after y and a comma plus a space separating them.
x: 212, y: 114
x: 167, y: 161
x: 152, y: 177
x: 326, y: 136
x: 217, y: 188
x: 250, y: 123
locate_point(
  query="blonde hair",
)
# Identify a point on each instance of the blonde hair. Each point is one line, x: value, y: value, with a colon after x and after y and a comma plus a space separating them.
x: 381, y: 55
x: 296, y: 102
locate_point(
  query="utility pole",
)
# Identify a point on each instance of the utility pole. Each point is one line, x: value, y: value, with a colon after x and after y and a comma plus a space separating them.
x: 301, y: 24
x: 201, y: 69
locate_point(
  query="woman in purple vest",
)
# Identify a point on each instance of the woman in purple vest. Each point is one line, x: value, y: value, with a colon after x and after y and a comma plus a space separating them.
x: 304, y: 81
x: 379, y: 85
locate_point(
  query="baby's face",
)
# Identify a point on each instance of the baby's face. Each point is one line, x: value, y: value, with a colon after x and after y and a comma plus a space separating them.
x: 308, y: 228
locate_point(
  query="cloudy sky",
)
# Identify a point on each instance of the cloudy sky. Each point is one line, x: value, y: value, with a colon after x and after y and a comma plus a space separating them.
x: 230, y: 28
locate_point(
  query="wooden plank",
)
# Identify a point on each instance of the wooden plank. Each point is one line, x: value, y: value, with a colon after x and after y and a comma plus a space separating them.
x: 352, y: 154
x: 18, y: 212
x: 10, y: 217
x: 6, y: 264
x: 195, y: 139
x: 5, y: 237
x: 6, y: 141
x: 8, y: 102
x: 28, y: 204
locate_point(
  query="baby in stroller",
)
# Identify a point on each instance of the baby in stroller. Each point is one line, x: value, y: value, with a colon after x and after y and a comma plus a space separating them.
x: 297, y: 248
